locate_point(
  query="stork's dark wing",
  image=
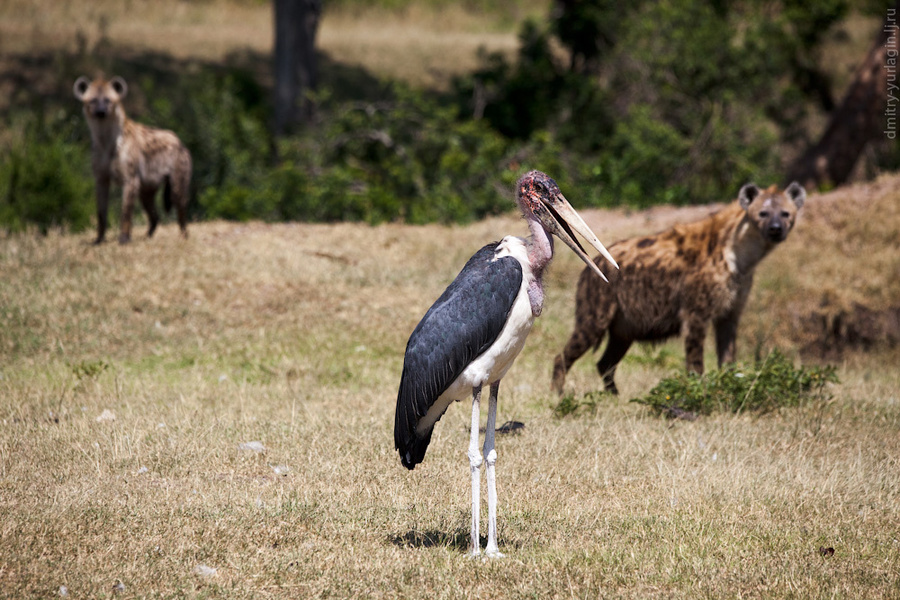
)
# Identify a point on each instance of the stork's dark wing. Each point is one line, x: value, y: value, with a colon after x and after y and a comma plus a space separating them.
x: 460, y: 325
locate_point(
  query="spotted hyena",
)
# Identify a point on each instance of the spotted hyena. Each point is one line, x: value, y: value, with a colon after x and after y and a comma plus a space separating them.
x: 139, y: 158
x: 680, y: 280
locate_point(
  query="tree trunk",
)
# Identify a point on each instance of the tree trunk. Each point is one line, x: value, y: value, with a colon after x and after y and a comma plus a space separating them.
x: 296, y: 22
x: 860, y: 117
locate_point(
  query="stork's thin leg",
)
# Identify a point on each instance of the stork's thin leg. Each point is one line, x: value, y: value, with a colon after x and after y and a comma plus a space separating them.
x: 475, y: 460
x: 490, y: 455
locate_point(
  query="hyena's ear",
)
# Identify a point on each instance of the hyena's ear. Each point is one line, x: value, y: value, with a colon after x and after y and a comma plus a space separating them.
x: 796, y: 193
x: 119, y: 85
x: 81, y: 86
x: 747, y: 195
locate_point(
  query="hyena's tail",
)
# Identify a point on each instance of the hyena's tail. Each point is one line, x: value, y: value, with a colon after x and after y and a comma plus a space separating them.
x: 167, y: 195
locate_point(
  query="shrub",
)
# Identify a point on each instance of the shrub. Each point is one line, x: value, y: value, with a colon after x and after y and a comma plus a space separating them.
x: 405, y: 158
x: 674, y: 101
x: 763, y: 386
x: 572, y: 406
x: 45, y: 182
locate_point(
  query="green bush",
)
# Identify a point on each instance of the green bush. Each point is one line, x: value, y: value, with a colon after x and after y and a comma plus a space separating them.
x: 764, y: 386
x: 45, y: 182
x: 569, y: 406
x: 221, y: 117
x: 406, y: 158
x: 672, y: 101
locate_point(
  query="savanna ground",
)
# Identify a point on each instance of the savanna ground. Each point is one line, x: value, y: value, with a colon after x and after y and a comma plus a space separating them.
x: 133, y: 379
x: 293, y: 335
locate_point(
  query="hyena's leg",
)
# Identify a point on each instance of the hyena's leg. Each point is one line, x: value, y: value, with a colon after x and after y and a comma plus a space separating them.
x: 726, y: 329
x: 582, y: 339
x: 693, y: 344
x: 595, y: 308
x: 102, y: 191
x: 148, y: 201
x: 726, y: 333
x: 130, y: 193
x: 606, y: 366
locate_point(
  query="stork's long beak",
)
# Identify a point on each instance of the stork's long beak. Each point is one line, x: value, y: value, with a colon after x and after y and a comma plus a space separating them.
x: 561, y: 219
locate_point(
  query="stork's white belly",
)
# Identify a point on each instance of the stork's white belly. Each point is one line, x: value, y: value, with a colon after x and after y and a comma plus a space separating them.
x: 493, y: 363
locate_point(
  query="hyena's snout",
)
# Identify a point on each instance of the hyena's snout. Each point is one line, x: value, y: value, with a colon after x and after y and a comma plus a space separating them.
x: 101, y: 107
x: 777, y: 229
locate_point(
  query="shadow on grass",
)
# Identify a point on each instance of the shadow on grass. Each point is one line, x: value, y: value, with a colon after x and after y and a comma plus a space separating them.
x: 458, y: 540
x: 414, y: 538
x: 44, y: 78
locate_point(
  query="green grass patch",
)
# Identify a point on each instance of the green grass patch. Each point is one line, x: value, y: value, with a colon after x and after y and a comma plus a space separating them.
x: 766, y: 385
x: 571, y: 405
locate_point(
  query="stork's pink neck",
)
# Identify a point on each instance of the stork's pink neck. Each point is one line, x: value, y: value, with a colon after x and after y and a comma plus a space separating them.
x: 540, y: 247
x: 540, y: 252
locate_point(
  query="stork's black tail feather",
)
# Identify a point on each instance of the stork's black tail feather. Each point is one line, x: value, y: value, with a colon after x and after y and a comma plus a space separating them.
x: 414, y: 451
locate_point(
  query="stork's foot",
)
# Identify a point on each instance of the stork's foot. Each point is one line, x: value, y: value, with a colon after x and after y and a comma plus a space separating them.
x: 488, y: 554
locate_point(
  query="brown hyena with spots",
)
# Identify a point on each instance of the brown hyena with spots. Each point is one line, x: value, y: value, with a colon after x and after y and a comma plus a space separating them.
x: 680, y: 280
x: 139, y: 158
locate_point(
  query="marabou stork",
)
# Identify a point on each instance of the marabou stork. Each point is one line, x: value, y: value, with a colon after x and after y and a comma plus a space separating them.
x: 473, y: 333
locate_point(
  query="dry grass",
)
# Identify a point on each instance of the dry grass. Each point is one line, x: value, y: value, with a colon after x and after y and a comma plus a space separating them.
x: 293, y: 335
x: 421, y: 46
x: 204, y: 30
